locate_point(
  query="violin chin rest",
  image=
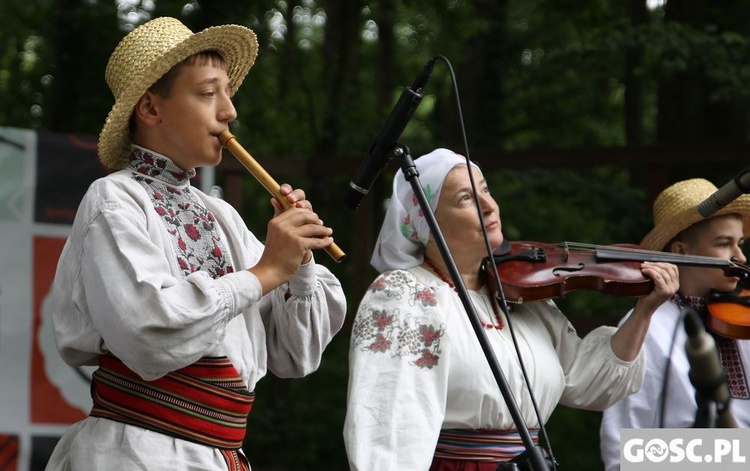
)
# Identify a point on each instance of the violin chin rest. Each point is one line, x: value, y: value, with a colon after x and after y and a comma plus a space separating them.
x: 503, y: 249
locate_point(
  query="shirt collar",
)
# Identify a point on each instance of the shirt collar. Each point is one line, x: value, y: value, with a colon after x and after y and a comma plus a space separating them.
x: 158, y: 167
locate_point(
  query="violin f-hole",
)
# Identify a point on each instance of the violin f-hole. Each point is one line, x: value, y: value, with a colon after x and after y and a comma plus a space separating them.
x: 556, y: 270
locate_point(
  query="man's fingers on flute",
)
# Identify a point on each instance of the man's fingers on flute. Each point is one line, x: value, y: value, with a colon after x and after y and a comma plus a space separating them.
x: 316, y: 243
x: 314, y: 231
x: 280, y: 207
x: 299, y: 216
x: 292, y: 195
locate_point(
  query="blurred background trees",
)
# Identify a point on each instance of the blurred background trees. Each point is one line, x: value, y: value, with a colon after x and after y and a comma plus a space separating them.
x: 580, y: 112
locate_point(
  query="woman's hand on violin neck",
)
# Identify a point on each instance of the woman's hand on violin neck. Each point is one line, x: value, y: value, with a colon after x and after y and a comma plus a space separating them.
x: 627, y: 341
x: 666, y: 278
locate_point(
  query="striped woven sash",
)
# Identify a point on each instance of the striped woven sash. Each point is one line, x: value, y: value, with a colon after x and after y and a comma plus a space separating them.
x: 206, y: 402
x: 480, y: 445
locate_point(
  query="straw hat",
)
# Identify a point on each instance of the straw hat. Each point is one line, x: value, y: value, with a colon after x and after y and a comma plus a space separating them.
x: 676, y: 209
x: 150, y: 51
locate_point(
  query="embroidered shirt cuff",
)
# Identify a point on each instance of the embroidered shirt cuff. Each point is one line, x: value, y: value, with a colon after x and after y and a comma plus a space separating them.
x: 303, y: 283
x: 242, y: 288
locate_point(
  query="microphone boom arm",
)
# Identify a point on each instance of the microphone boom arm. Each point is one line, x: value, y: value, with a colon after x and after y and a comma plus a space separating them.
x: 382, y: 149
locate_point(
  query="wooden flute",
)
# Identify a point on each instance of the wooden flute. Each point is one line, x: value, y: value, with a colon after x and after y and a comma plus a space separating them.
x: 228, y: 140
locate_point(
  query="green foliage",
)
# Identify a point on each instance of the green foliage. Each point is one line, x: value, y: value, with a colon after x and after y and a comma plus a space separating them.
x: 723, y: 57
x: 574, y: 435
x: 21, y: 69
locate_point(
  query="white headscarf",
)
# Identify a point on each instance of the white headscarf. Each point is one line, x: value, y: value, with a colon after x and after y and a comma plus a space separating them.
x: 405, y: 231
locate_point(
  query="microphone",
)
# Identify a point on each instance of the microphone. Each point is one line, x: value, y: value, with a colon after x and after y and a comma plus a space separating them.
x: 380, y: 151
x: 706, y: 373
x: 726, y: 194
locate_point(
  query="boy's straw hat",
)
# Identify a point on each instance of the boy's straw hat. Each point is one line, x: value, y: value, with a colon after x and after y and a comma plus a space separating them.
x: 150, y: 51
x: 676, y: 209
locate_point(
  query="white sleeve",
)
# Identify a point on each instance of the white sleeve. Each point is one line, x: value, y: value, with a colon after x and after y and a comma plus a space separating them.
x: 397, y: 377
x: 300, y: 317
x: 595, y: 377
x: 301, y: 326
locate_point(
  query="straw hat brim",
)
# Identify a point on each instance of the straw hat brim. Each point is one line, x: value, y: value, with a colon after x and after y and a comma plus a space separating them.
x: 670, y: 227
x: 238, y: 47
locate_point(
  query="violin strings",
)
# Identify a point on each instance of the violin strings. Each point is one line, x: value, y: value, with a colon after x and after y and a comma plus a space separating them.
x: 646, y: 255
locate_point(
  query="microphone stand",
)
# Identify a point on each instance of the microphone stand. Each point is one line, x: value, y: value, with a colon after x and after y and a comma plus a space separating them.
x: 706, y: 415
x: 713, y: 409
x: 412, y: 176
x: 711, y: 392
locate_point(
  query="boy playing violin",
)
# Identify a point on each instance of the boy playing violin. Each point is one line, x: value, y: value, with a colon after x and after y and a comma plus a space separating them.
x: 667, y: 398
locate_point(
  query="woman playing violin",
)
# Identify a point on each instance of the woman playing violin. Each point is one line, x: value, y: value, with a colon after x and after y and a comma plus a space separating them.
x: 421, y: 394
x: 667, y: 398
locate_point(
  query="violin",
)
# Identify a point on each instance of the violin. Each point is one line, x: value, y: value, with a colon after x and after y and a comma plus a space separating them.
x: 535, y: 271
x: 729, y: 313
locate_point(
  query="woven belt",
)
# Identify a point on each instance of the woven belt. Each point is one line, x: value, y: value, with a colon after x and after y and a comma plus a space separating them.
x: 206, y: 402
x: 491, y: 446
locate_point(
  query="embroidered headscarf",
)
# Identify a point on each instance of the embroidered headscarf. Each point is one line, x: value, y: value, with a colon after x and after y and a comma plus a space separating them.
x: 405, y: 232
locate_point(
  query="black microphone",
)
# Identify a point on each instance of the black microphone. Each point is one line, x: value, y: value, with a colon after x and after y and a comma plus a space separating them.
x: 706, y: 373
x: 726, y: 194
x: 380, y: 151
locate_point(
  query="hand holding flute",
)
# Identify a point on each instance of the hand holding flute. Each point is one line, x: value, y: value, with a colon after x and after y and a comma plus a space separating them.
x: 295, y: 228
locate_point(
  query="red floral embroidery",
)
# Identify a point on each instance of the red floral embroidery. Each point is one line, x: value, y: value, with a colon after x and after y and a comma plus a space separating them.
x: 192, y: 226
x: 427, y: 360
x: 429, y: 335
x: 377, y: 285
x: 381, y: 344
x: 395, y: 331
x: 382, y: 320
x: 192, y: 232
x: 426, y: 297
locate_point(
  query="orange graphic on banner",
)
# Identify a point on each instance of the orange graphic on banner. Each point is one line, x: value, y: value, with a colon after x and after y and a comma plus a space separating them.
x: 47, y: 403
